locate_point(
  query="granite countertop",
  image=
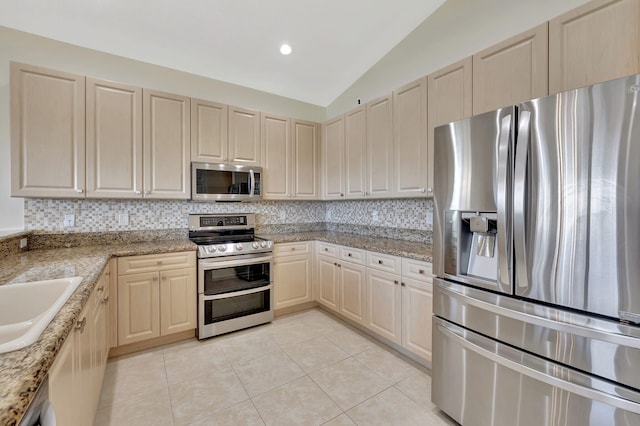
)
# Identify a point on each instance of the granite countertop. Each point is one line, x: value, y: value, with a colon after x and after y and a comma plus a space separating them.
x: 22, y: 371
x: 402, y: 248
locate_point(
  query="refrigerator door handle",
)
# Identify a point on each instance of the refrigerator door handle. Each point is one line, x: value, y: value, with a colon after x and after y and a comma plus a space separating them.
x: 537, y: 368
x: 519, y: 194
x: 504, y: 257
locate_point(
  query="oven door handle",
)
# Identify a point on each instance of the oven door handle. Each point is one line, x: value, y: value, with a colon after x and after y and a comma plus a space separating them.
x: 213, y: 263
x: 235, y: 293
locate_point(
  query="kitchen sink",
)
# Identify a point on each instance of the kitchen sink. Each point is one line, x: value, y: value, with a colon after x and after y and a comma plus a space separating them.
x: 27, y: 308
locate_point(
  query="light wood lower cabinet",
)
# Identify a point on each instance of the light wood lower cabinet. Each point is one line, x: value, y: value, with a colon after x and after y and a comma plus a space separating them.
x: 417, y: 308
x: 384, y: 301
x: 328, y: 279
x: 75, y: 378
x: 352, y: 286
x: 156, y: 296
x: 292, y: 274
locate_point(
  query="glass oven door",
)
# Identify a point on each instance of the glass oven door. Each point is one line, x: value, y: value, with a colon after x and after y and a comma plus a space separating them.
x: 228, y: 306
x: 234, y: 273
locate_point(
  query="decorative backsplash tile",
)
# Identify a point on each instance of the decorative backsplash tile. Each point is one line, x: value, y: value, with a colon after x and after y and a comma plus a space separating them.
x: 407, y: 218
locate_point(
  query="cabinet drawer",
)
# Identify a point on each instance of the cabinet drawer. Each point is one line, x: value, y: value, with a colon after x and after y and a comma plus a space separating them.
x: 353, y: 255
x: 384, y: 262
x: 328, y: 249
x: 156, y: 262
x: 416, y: 269
x: 291, y: 249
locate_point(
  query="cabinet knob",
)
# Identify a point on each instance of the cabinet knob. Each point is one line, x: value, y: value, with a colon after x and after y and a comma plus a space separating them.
x: 395, y: 282
x: 349, y: 254
x: 79, y: 191
x: 429, y: 190
x: 137, y: 192
x: 335, y: 264
x: 164, y: 278
x: 421, y: 271
x: 155, y: 278
x: 379, y: 262
x: 101, y: 288
x: 105, y: 300
x: 339, y: 265
x: 80, y: 325
x: 342, y: 195
x: 293, y: 249
x: 159, y: 262
x: 326, y: 249
x: 402, y: 284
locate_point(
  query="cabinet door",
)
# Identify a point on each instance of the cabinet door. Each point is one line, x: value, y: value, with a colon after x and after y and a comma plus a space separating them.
x: 593, y: 43
x: 63, y: 392
x: 333, y: 159
x: 138, y: 307
x: 384, y: 305
x: 512, y: 71
x: 353, y: 293
x: 208, y: 131
x: 244, y: 137
x: 166, y: 145
x: 47, y: 133
x: 328, y: 283
x: 112, y: 304
x: 83, y: 369
x: 177, y: 300
x: 114, y: 140
x: 379, y: 148
x: 304, y: 166
x: 449, y: 99
x: 276, y: 146
x: 417, y: 307
x: 98, y: 341
x: 355, y: 130
x: 411, y: 160
x: 292, y: 280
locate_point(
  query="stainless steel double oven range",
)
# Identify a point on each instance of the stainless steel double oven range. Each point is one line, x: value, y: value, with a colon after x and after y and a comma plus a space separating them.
x: 235, y: 285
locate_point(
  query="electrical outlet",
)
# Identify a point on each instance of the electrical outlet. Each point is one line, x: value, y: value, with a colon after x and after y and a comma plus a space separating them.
x: 283, y: 215
x: 69, y: 220
x: 23, y: 243
x: 123, y: 218
x: 374, y: 215
x: 429, y: 217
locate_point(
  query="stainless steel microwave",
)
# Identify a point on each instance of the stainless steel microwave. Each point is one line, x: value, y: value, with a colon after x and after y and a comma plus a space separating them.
x: 225, y: 182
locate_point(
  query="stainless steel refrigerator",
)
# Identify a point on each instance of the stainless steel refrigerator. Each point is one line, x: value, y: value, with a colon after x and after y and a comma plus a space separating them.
x: 537, y: 259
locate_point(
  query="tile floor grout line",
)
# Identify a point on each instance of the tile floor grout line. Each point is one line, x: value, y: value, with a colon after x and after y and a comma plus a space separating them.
x: 166, y: 376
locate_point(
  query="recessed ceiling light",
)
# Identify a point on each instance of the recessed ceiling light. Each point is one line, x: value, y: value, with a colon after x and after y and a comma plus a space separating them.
x: 285, y: 49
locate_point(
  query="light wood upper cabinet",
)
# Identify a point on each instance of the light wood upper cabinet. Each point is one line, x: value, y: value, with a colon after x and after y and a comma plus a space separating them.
x: 166, y: 145
x: 209, y: 131
x: 47, y: 133
x: 449, y: 99
x: 113, y: 140
x: 333, y: 152
x: 304, y: 167
x: 244, y: 137
x: 276, y: 146
x: 355, y: 148
x: 593, y: 43
x: 512, y: 71
x: 379, y: 148
x: 411, y: 159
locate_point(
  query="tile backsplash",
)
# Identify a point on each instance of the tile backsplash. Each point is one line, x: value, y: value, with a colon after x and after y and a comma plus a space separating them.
x: 128, y: 215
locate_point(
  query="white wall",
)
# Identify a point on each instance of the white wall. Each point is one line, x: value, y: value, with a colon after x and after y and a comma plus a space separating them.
x: 458, y: 29
x: 31, y: 49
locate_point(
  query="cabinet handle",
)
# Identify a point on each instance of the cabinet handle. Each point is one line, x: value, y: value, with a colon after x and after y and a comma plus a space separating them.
x: 79, y: 191
x: 137, y: 192
x: 380, y: 262
x: 105, y: 300
x: 395, y: 282
x: 429, y: 190
x: 80, y: 325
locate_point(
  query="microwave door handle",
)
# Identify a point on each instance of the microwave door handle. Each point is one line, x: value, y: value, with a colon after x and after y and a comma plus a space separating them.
x: 252, y: 183
x: 519, y: 202
x: 504, y: 257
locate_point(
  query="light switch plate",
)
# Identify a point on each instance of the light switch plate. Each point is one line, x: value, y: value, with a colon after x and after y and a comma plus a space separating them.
x: 69, y: 220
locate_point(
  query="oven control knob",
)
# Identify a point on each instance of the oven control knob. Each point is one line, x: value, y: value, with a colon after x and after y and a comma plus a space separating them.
x: 211, y: 249
x: 263, y: 244
x: 239, y: 247
x: 255, y: 245
x: 222, y: 248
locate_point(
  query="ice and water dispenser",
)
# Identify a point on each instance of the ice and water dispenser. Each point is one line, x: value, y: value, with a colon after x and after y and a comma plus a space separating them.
x: 471, y: 245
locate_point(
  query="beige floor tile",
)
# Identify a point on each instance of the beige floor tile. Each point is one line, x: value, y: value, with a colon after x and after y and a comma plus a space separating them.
x: 151, y: 409
x: 300, y: 402
x: 291, y: 332
x: 213, y: 391
x: 315, y: 354
x: 349, y: 382
x: 244, y: 347
x: 418, y: 388
x: 243, y: 414
x: 131, y: 377
x: 386, y: 364
x: 341, y: 420
x: 441, y: 419
x: 191, y: 362
x: 349, y: 341
x: 262, y: 374
x: 391, y: 407
x: 320, y: 323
